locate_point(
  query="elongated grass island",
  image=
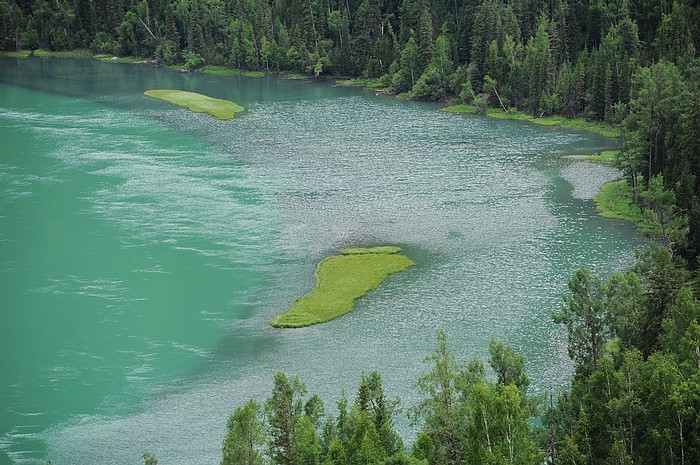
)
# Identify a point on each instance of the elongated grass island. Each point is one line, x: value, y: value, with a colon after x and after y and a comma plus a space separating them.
x: 340, y: 281
x: 218, y: 108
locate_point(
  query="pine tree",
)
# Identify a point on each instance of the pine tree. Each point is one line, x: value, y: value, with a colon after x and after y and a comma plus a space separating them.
x: 284, y: 408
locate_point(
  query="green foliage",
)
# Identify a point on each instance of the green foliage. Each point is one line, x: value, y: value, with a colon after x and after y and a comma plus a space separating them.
x: 284, y: 410
x: 508, y: 365
x: 629, y: 68
x: 671, y: 224
x: 555, y: 122
x: 435, y: 82
x: 466, y: 109
x: 464, y: 419
x: 499, y: 431
x: 148, y: 459
x: 365, y: 445
x: 246, y: 436
x: 582, y: 312
x: 410, y: 70
x: 639, y: 403
x: 193, y: 61
x: 340, y: 281
x: 616, y: 200
x: 443, y: 409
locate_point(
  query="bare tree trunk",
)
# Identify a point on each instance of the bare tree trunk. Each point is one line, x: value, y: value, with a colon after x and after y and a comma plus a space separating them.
x: 493, y: 86
x: 313, y: 26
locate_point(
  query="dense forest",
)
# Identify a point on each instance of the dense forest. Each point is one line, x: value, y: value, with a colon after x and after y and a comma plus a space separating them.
x: 634, y: 337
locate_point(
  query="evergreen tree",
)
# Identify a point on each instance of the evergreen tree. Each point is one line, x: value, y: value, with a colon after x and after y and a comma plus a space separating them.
x: 246, y: 436
x: 442, y: 408
x: 284, y: 408
x: 583, y: 314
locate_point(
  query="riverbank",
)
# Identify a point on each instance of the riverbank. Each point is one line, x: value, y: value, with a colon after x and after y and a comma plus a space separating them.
x: 340, y: 281
x: 615, y: 201
x: 556, y: 122
x: 606, y: 157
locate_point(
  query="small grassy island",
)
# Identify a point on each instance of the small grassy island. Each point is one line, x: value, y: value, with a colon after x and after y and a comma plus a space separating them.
x: 340, y: 280
x: 218, y: 108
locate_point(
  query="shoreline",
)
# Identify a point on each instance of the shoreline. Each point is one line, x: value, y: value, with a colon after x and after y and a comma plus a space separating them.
x: 556, y: 122
x: 614, y: 201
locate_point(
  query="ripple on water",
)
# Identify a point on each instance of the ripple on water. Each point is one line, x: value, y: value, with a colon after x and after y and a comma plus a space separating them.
x: 191, y: 234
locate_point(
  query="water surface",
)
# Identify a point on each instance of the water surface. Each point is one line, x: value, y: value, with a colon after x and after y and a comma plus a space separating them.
x: 144, y: 248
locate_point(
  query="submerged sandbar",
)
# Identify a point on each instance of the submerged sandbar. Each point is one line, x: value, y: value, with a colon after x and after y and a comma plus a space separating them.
x: 340, y: 280
x: 218, y: 108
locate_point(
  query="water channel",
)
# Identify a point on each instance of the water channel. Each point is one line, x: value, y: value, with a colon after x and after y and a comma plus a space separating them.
x: 144, y: 248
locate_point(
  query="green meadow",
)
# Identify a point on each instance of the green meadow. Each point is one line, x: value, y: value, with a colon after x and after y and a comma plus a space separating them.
x: 218, y: 108
x: 340, y: 280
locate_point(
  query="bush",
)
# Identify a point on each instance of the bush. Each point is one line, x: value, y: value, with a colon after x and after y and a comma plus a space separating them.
x: 104, y: 44
x: 193, y: 61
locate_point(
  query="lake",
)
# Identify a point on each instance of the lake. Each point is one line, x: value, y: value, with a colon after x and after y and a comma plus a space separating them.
x: 144, y: 249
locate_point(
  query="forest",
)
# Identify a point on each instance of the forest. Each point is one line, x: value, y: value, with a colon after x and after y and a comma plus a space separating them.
x: 633, y: 337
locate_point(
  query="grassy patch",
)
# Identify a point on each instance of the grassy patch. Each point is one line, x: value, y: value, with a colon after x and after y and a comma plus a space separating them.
x: 113, y: 59
x: 615, y: 201
x: 361, y: 82
x: 387, y: 249
x: 298, y: 77
x: 465, y: 109
x: 228, y: 71
x: 218, y: 108
x: 606, y: 156
x: 20, y: 54
x: 556, y: 121
x: 340, y: 280
x: 403, y: 96
x: 43, y: 53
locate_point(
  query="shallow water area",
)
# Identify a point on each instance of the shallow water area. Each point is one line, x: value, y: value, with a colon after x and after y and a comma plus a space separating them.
x: 144, y: 248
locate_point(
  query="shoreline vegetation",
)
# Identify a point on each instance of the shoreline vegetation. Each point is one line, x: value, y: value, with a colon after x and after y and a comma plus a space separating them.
x: 198, y: 103
x: 340, y: 281
x: 556, y: 122
x: 606, y: 157
x: 615, y: 201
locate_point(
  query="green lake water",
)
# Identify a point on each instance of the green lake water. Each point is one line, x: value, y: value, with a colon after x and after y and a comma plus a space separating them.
x: 144, y: 248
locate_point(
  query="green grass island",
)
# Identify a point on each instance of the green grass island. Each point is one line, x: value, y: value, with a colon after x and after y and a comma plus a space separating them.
x: 218, y: 108
x: 340, y: 281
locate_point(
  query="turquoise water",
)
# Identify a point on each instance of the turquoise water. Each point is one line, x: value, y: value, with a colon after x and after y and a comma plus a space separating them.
x: 144, y: 248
